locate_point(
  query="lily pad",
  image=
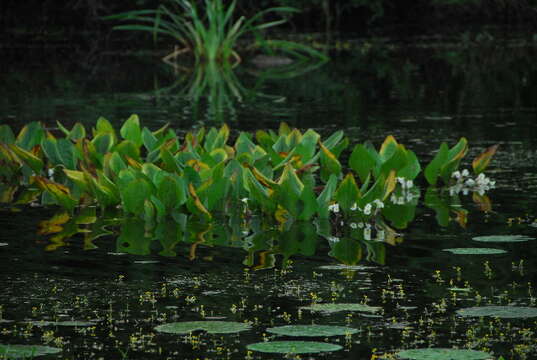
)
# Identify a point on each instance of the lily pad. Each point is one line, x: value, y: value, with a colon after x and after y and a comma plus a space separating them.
x: 506, y: 312
x: 443, y: 354
x: 312, y: 330
x: 73, y: 323
x: 212, y: 327
x: 503, y: 238
x: 293, y: 347
x: 26, y: 351
x: 332, y: 308
x: 345, y: 267
x: 475, y: 251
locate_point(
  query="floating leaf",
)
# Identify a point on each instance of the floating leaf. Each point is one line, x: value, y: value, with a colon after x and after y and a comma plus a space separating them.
x: 293, y: 347
x: 503, y: 238
x: 443, y: 354
x: 475, y: 251
x: 332, y: 308
x: 212, y: 327
x: 26, y: 351
x: 312, y: 330
x: 506, y: 312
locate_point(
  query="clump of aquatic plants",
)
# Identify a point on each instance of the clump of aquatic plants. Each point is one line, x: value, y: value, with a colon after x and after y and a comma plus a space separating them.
x: 286, y: 175
x: 211, y: 32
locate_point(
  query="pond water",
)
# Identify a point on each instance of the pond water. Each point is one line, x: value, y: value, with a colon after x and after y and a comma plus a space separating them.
x: 121, y: 283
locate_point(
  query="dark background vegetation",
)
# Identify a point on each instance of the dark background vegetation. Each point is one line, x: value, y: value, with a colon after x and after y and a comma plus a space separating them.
x: 81, y: 20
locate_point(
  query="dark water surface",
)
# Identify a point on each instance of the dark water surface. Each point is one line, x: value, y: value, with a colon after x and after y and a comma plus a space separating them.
x: 125, y: 285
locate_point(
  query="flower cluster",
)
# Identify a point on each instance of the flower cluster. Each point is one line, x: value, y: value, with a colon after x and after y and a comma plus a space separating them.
x: 465, y: 183
x: 370, y: 208
x: 406, y: 195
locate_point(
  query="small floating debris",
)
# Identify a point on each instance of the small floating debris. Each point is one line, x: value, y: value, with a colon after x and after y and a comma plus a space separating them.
x: 3, y: 244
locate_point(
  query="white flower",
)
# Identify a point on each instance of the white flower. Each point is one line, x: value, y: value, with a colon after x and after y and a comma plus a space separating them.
x: 354, y: 207
x: 361, y: 225
x: 380, y: 235
x: 333, y: 239
x: 378, y: 204
x: 367, y: 209
x: 334, y: 207
x: 367, y: 233
x: 456, y: 174
x: 244, y: 200
x: 470, y: 182
x: 50, y: 172
x: 465, y: 173
x: 354, y: 226
x: 409, y: 184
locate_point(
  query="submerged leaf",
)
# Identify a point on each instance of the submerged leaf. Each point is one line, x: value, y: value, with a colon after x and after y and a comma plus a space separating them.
x: 293, y: 347
x: 312, y: 330
x: 332, y: 308
x: 8, y: 351
x: 503, y: 238
x: 212, y: 327
x: 475, y: 251
x: 506, y: 312
x: 443, y: 354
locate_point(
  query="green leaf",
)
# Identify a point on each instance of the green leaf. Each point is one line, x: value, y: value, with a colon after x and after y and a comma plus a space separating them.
x: 347, y: 193
x: 454, y: 158
x: 134, y: 194
x: 131, y: 131
x: 412, y: 168
x: 6, y: 134
x: 361, y: 162
x: 30, y: 135
x: 35, y: 163
x: 329, y: 163
x: 171, y: 191
x: 325, y: 197
x: 432, y: 171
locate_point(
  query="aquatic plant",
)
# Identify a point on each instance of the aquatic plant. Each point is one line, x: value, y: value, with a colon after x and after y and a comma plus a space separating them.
x: 8, y: 351
x: 286, y: 175
x: 293, y: 347
x: 443, y: 354
x: 212, y: 327
x: 211, y: 33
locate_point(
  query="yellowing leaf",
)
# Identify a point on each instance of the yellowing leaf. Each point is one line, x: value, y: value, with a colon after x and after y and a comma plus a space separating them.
x: 281, y: 215
x: 388, y: 147
x: 389, y: 184
x: 481, y: 162
x: 483, y: 201
x: 197, y: 201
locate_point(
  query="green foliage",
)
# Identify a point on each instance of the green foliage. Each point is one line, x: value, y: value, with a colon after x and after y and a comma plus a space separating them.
x: 210, y: 32
x: 287, y: 176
